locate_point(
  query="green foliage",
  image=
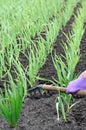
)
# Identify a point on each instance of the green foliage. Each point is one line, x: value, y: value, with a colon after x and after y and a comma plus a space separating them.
x: 20, y: 78
x: 65, y: 64
x: 63, y: 103
x: 61, y: 106
x: 37, y: 58
x: 19, y: 24
x: 11, y: 101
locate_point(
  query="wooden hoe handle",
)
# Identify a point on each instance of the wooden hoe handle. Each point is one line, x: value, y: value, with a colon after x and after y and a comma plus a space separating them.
x: 54, y: 88
x: 81, y: 93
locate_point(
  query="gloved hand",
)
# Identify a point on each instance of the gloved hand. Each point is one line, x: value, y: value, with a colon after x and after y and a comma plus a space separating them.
x: 78, y: 84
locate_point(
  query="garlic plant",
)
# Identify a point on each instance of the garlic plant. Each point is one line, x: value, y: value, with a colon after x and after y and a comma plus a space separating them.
x: 11, y: 101
x: 65, y: 64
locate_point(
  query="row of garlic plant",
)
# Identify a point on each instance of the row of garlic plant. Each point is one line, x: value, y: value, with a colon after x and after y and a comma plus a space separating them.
x: 9, y: 46
x: 11, y: 42
x: 20, y: 22
x: 14, y: 96
x: 25, y: 19
x: 38, y: 57
x: 15, y: 87
x: 12, y: 99
x: 65, y: 65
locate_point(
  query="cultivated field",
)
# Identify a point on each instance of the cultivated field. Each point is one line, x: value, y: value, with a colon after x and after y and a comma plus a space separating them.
x: 41, y: 41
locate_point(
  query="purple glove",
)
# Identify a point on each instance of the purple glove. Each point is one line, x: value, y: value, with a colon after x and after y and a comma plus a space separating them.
x: 78, y: 84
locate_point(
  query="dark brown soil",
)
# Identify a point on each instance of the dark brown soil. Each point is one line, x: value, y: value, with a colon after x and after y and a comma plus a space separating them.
x: 40, y: 113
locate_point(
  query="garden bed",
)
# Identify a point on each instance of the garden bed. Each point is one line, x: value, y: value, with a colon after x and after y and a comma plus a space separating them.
x: 39, y: 113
